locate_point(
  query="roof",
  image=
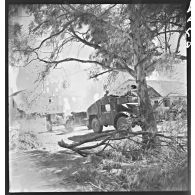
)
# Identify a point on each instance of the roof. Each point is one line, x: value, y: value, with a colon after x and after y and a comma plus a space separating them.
x: 157, y: 88
x: 172, y: 88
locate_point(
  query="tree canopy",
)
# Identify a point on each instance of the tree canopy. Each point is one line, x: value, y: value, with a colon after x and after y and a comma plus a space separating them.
x: 106, y: 28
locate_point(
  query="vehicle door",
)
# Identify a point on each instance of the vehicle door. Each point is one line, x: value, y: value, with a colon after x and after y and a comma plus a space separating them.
x: 107, y: 112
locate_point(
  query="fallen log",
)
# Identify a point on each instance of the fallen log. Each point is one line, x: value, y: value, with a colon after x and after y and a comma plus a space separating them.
x: 108, y: 136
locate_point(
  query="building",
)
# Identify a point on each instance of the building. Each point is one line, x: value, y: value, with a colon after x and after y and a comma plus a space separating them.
x: 164, y: 93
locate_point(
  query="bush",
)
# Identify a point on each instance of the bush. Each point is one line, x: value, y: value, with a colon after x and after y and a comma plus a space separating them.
x: 23, y: 140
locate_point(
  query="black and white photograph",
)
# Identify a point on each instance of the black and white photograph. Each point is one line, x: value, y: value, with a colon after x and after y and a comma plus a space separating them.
x: 98, y: 97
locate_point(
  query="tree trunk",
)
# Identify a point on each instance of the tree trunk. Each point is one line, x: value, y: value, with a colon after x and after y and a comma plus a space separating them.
x: 146, y: 110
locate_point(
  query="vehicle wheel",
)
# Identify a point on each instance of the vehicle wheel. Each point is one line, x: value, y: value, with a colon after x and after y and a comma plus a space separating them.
x: 122, y: 123
x: 96, y: 126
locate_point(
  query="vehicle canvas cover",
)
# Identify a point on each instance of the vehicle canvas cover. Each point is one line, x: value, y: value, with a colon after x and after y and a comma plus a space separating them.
x: 94, y: 109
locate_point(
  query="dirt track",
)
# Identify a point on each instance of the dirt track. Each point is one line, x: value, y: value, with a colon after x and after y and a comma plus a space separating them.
x: 48, y: 168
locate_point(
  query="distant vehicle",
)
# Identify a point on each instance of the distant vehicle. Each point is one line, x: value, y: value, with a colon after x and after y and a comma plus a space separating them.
x: 69, y: 121
x: 76, y: 119
x: 113, y: 110
x: 54, y: 119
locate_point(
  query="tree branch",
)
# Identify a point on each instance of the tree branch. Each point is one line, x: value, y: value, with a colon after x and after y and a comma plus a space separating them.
x: 38, y: 26
x: 178, y: 42
x: 129, y: 70
x: 95, y: 46
x: 169, y: 31
x: 17, y: 92
x: 95, y: 138
x: 95, y: 146
x: 181, y: 57
x: 69, y: 60
x: 56, y: 62
x: 106, y: 11
x: 53, y: 35
x: 96, y: 75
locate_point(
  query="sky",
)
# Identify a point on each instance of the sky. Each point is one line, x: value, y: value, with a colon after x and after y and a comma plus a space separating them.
x: 80, y: 92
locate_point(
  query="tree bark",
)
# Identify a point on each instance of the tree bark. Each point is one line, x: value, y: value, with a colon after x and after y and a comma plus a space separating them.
x: 146, y: 110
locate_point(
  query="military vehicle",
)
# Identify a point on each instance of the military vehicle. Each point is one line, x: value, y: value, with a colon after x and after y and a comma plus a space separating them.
x: 113, y: 110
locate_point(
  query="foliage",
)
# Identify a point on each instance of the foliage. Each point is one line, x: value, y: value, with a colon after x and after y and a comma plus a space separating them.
x: 177, y: 111
x: 22, y: 140
x: 127, y: 167
x: 106, y: 28
x: 149, y: 174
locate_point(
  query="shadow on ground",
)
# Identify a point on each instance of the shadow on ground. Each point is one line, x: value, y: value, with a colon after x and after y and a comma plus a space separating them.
x: 44, y: 171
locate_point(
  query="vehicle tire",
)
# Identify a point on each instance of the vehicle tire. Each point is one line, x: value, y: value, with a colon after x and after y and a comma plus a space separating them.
x: 96, y: 126
x: 122, y: 123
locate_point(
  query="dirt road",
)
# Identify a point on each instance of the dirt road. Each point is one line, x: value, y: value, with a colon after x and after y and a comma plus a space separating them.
x: 50, y: 167
x: 47, y: 169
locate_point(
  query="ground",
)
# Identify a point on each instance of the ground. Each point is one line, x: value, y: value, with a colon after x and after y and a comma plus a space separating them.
x: 48, y: 167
